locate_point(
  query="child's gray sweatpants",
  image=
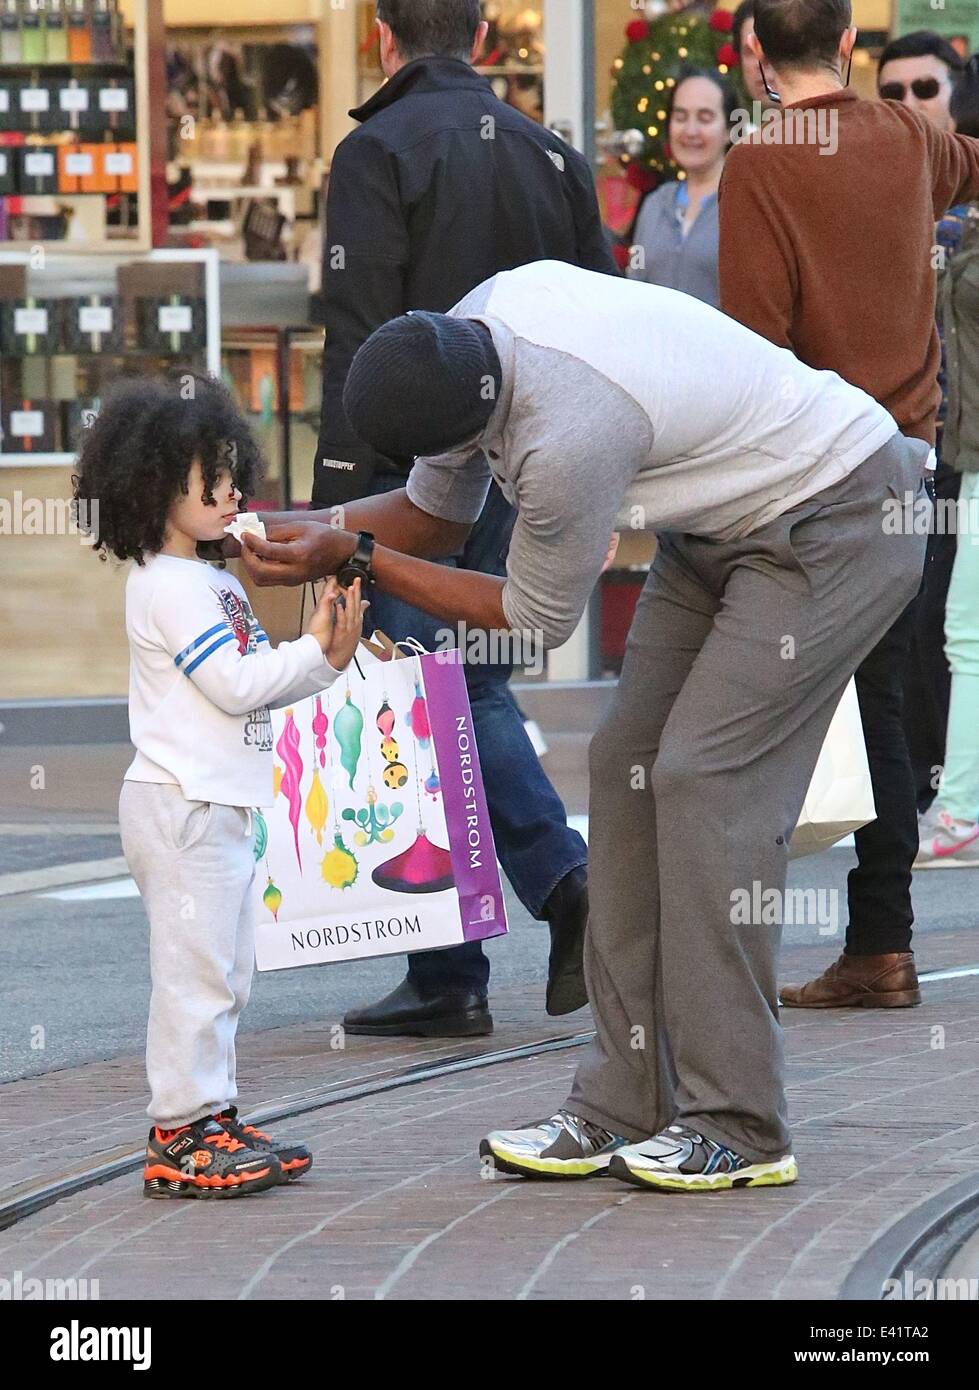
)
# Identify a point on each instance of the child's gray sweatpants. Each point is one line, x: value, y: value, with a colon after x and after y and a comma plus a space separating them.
x: 193, y: 864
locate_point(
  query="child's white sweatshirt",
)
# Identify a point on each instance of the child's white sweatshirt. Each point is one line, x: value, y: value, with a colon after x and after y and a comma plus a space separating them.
x: 202, y: 679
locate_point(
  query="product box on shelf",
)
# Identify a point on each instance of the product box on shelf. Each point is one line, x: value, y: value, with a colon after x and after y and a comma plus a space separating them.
x: 29, y: 427
x: 77, y: 107
x: 79, y: 32
x: 11, y: 44
x: 37, y: 169
x: 33, y: 31
x: 96, y: 180
x: 114, y: 99
x: 142, y: 278
x: 171, y: 326
x: 119, y: 167
x: 8, y: 182
x: 75, y: 162
x: 57, y: 32
x: 13, y: 285
x: 93, y: 324
x: 30, y: 327
x: 37, y: 112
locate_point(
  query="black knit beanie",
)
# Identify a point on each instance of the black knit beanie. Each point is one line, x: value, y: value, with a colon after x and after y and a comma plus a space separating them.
x: 422, y: 384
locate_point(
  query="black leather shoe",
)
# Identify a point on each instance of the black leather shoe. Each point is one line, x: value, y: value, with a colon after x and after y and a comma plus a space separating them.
x: 406, y: 1012
x: 566, y: 912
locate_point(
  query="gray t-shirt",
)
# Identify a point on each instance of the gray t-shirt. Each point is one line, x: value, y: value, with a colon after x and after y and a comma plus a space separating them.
x: 625, y: 405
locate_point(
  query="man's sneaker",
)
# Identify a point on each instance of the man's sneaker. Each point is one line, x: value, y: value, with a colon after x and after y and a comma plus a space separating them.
x: 947, y: 843
x: 294, y: 1159
x: 204, y: 1160
x: 678, y: 1159
x: 564, y: 1146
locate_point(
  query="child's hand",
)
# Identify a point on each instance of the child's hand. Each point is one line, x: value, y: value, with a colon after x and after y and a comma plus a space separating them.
x: 337, y: 627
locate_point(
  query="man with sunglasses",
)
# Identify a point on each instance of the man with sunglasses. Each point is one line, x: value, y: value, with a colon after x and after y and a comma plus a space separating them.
x: 921, y: 71
x: 827, y: 249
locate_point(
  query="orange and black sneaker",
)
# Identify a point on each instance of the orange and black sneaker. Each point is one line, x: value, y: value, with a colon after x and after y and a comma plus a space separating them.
x: 204, y: 1160
x: 294, y: 1159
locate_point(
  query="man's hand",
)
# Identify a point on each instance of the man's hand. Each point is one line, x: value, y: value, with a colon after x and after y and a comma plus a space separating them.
x: 296, y: 551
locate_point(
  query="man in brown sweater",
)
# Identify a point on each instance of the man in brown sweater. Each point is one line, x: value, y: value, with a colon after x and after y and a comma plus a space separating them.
x: 827, y: 217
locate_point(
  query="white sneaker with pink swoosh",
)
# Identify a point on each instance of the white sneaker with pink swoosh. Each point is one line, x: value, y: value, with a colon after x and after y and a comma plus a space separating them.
x: 947, y: 843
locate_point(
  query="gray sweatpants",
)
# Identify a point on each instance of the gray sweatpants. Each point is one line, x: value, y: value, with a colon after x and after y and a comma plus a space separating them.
x: 736, y: 659
x: 193, y: 864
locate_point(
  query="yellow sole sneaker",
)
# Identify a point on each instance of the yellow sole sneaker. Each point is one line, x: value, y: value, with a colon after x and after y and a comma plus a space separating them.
x: 562, y: 1146
x: 642, y: 1173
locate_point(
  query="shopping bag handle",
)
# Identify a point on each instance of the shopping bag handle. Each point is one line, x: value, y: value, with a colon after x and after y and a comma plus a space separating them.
x: 380, y: 645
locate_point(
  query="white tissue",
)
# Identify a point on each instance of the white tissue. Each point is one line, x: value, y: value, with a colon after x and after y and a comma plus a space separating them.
x: 246, y: 521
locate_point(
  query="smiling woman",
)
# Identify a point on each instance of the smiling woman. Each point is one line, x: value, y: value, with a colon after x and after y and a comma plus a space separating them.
x: 676, y: 233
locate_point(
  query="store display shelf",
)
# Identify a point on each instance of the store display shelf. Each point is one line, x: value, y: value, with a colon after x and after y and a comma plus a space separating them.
x: 124, y: 68
x: 65, y: 65
x: 120, y: 354
x: 61, y: 198
x: 36, y: 460
x: 75, y: 276
x: 61, y: 132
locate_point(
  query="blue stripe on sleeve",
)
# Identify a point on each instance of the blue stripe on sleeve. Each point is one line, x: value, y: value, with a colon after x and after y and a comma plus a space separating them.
x: 228, y: 637
x: 218, y: 627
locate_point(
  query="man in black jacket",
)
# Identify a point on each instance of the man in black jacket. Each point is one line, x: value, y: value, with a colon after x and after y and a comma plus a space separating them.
x: 441, y: 187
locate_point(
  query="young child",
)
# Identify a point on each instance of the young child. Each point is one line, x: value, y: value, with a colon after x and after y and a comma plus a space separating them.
x: 164, y: 469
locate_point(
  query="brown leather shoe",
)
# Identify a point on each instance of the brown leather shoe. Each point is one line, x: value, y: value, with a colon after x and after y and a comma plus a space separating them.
x: 859, y: 982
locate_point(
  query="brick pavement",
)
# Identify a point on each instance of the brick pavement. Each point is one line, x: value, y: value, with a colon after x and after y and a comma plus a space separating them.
x: 884, y: 1108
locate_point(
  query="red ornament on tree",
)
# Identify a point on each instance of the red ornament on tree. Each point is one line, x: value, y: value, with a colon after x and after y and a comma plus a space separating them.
x: 642, y: 179
x: 637, y: 30
x: 722, y: 21
x: 727, y: 55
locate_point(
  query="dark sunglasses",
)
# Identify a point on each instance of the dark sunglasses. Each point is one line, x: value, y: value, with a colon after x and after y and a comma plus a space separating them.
x: 924, y: 88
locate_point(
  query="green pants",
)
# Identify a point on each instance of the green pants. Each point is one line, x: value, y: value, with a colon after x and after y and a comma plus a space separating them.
x: 959, y: 790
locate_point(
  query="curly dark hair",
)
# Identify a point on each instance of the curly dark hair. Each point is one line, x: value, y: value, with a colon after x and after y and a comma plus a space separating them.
x: 138, y: 453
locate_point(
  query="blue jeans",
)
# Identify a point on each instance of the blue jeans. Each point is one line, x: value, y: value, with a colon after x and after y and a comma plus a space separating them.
x: 534, y: 843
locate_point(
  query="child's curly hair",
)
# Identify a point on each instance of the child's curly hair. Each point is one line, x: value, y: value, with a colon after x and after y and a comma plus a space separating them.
x: 138, y: 453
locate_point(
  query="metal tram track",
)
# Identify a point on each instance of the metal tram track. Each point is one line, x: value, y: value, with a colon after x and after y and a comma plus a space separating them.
x: 909, y: 1261
x: 27, y: 1198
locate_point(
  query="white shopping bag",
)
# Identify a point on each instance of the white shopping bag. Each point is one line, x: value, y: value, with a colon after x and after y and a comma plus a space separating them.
x: 840, y: 798
x: 378, y: 839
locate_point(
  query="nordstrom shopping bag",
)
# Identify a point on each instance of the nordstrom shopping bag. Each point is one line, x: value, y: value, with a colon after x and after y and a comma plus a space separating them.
x: 378, y: 840
x: 840, y: 798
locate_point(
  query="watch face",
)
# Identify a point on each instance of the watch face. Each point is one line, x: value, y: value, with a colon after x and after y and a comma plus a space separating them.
x: 349, y: 573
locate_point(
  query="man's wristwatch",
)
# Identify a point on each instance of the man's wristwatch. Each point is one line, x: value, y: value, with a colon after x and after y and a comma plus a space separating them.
x: 360, y: 565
